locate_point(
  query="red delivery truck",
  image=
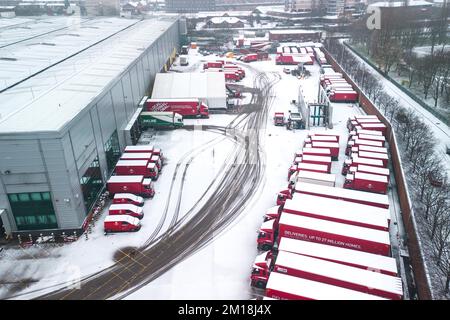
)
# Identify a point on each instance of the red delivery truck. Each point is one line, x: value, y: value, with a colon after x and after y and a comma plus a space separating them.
x: 354, y: 118
x: 232, y: 76
x: 137, y: 167
x: 185, y: 107
x: 212, y: 64
x: 355, y: 160
x: 343, y: 96
x: 235, y: 68
x: 278, y: 119
x: 128, y: 198
x: 366, y: 182
x: 369, y: 169
x: 283, y: 287
x: 374, y: 126
x: 331, y: 233
x: 370, y: 137
x: 332, y: 146
x: 319, y: 151
x: 250, y: 57
x: 333, y: 273
x: 138, y: 185
x: 329, y: 209
x: 352, y: 258
x: 128, y: 209
x: 302, y: 166
x: 373, y: 155
x: 317, y: 160
x: 121, y: 223
x: 361, y: 197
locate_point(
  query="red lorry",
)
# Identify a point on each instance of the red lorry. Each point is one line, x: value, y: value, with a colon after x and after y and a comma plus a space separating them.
x: 151, y: 157
x: 278, y: 119
x: 311, y: 268
x: 373, y: 155
x: 369, y: 169
x: 145, y: 149
x: 283, y: 287
x: 361, y: 197
x: 315, y: 151
x: 127, y: 209
x: 138, y: 185
x: 332, y: 146
x: 121, y: 223
x: 382, y: 150
x: 323, y: 231
x: 128, y: 198
x: 370, y: 137
x: 374, y: 126
x: 185, y: 107
x: 235, y: 68
x: 213, y: 64
x: 137, y: 167
x: 336, y: 210
x: 358, y: 142
x: 232, y: 76
x: 355, y: 160
x: 317, y: 160
x: 366, y: 182
x: 343, y: 96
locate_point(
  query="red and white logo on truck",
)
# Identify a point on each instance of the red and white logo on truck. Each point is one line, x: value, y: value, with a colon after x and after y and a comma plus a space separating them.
x: 160, y: 106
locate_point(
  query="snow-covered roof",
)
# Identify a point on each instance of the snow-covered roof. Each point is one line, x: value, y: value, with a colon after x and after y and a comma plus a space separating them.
x: 317, y: 150
x: 122, y: 217
x: 363, y: 259
x: 342, y: 193
x: 322, y: 144
x: 334, y: 209
x: 48, y: 102
x: 369, y: 132
x: 148, y: 148
x: 312, y: 166
x: 383, y: 4
x: 368, y: 142
x: 130, y: 196
x: 187, y: 85
x: 304, y: 288
x: 373, y: 155
x: 125, y: 206
x: 337, y: 228
x: 372, y: 125
x: 376, y: 170
x: 317, y: 176
x: 369, y: 176
x: 230, y: 20
x: 371, y: 137
x: 137, y: 163
x: 340, y: 272
x: 324, y: 159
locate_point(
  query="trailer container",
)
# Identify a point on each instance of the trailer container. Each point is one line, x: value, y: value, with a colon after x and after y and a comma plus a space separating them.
x: 317, y: 160
x: 349, y: 257
x: 136, y: 156
x: 366, y: 182
x: 212, y: 64
x: 369, y: 169
x: 137, y: 167
x: 362, y: 147
x: 364, y: 198
x: 355, y: 160
x: 370, y: 137
x: 284, y: 287
x: 374, y: 126
x: 332, y: 134
x: 357, y: 142
x: 160, y: 120
x: 335, y: 210
x: 303, y: 166
x: 373, y: 155
x: 332, y: 146
x: 139, y: 148
x: 319, y: 151
x: 333, y: 273
x: 128, y: 198
x: 323, y: 179
x: 138, y: 185
x: 343, y: 96
x: 323, y: 138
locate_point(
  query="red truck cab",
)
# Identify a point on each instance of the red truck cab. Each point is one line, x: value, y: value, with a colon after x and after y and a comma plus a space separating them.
x: 121, y: 223
x: 278, y: 119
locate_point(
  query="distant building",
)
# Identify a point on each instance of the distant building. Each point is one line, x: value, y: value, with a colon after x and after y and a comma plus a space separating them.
x: 225, y: 22
x: 335, y: 7
x: 102, y: 7
x: 190, y: 5
x: 294, y: 35
x: 301, y: 5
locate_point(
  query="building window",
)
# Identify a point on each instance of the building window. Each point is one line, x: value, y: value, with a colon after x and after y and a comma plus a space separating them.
x: 33, y: 211
x: 91, y: 184
x: 112, y: 151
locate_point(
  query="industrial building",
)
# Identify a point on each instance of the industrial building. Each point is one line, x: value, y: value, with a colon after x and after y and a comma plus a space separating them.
x: 69, y: 96
x: 207, y: 86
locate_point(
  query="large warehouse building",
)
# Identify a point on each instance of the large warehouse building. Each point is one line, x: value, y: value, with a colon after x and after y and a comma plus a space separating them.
x: 67, y: 100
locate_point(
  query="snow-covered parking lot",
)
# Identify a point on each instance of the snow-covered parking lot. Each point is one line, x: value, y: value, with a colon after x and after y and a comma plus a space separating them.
x: 198, y: 159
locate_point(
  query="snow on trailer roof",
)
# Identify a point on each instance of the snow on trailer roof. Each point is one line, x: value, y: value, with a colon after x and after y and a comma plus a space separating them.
x: 139, y: 148
x: 308, y: 157
x: 324, y: 133
x: 366, y: 116
x: 369, y: 132
x: 136, y: 155
x: 312, y: 166
x: 317, y: 176
x: 125, y: 179
x: 40, y: 105
x: 314, y: 290
x: 341, y: 192
x: 368, y: 142
x: 338, y: 209
x: 372, y: 125
x: 363, y: 147
x: 336, y: 228
x: 317, y: 150
x: 340, y: 272
x: 376, y: 170
x: 374, y: 155
x: 322, y: 144
x: 370, y: 177
x: 122, y: 217
x: 127, y: 163
x: 323, y: 138
x: 128, y: 196
x: 371, y: 137
x: 368, y: 161
x: 373, y: 261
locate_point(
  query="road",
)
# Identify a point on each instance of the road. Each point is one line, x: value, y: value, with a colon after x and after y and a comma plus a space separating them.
x: 221, y: 203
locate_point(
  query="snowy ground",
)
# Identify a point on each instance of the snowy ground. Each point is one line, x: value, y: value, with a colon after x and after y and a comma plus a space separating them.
x: 221, y: 269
